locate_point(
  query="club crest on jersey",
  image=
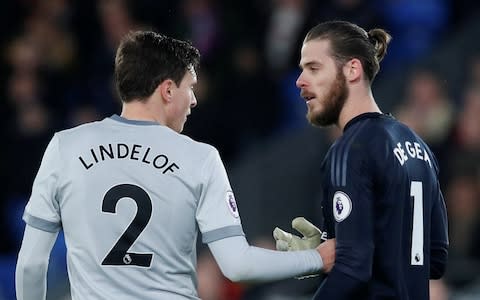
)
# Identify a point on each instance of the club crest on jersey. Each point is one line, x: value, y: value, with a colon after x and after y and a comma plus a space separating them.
x: 342, y: 206
x: 232, y: 204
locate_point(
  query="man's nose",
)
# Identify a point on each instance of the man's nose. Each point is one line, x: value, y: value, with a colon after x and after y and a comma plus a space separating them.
x: 300, y: 82
x: 194, y: 101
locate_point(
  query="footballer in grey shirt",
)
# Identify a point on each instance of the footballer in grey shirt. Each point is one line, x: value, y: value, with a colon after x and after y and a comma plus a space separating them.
x: 130, y: 194
x: 130, y: 197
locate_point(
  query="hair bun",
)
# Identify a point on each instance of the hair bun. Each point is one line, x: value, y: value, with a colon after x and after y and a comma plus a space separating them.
x: 380, y: 39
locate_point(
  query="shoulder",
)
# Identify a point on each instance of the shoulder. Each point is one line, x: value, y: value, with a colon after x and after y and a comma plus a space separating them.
x: 372, y: 128
x: 199, y: 147
x: 375, y: 132
x: 196, y: 152
x: 78, y: 130
x: 368, y: 138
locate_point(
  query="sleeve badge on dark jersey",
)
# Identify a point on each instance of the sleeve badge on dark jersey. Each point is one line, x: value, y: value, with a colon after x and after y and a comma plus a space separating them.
x: 342, y: 206
x: 232, y: 204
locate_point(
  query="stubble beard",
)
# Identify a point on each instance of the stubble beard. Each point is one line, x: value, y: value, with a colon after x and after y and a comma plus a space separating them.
x: 332, y: 103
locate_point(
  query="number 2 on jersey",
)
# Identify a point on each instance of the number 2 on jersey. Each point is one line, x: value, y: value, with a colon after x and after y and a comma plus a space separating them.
x: 416, y: 191
x: 119, y: 255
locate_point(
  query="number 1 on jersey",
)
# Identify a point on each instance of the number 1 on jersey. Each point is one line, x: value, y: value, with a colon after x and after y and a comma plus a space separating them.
x: 416, y: 191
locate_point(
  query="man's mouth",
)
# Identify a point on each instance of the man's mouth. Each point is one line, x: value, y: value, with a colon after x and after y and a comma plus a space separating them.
x: 307, y: 96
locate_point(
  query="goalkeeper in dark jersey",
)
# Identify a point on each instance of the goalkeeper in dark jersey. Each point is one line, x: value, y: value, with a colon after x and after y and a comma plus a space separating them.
x: 381, y: 196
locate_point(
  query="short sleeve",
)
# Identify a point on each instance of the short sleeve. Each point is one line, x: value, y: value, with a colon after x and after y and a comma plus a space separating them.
x: 42, y: 210
x: 217, y: 212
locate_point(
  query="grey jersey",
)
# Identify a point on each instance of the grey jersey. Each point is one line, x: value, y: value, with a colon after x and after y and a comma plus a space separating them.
x: 130, y: 197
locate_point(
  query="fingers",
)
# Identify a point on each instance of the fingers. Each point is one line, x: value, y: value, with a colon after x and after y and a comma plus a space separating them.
x: 279, y: 234
x: 286, y: 241
x: 306, y: 228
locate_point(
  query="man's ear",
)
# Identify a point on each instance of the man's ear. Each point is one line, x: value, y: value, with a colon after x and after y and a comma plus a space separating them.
x: 166, y: 89
x: 353, y: 70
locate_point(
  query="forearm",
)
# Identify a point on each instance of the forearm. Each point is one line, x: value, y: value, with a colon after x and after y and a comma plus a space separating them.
x: 241, y: 262
x: 31, y: 280
x: 32, y: 264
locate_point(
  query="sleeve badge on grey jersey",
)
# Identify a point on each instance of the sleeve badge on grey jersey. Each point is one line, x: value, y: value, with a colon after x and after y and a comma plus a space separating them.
x: 232, y: 204
x: 342, y: 206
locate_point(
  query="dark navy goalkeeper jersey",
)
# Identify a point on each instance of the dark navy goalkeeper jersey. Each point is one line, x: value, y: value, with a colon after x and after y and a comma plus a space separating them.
x: 382, y: 202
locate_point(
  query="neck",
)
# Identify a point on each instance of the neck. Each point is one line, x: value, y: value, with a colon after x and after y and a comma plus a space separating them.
x: 362, y: 102
x: 143, y: 111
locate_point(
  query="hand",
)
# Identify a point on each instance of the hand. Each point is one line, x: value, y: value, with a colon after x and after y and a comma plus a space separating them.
x: 286, y: 241
x: 327, y: 252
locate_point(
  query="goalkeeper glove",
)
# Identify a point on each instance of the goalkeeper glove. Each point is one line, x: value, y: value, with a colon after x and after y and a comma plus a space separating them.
x: 285, y: 241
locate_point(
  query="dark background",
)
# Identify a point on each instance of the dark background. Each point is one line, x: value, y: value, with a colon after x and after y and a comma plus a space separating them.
x: 56, y: 63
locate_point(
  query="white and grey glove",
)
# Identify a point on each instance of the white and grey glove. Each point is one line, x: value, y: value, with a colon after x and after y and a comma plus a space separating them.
x: 285, y: 241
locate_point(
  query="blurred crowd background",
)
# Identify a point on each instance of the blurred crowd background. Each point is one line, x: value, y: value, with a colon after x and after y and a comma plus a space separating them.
x: 56, y: 64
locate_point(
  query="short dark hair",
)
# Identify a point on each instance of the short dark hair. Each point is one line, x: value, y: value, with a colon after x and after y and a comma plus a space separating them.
x: 348, y: 41
x: 145, y: 58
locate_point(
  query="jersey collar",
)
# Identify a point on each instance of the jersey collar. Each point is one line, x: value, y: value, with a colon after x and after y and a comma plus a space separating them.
x: 132, y: 122
x: 363, y: 116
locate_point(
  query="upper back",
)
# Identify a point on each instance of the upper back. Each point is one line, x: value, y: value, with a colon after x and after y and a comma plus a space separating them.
x: 128, y: 198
